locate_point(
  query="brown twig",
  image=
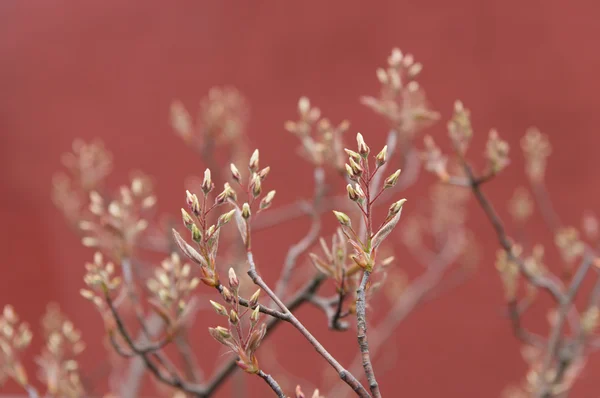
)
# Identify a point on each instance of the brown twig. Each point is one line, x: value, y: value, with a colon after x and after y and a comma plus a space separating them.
x: 550, y: 285
x: 333, y: 315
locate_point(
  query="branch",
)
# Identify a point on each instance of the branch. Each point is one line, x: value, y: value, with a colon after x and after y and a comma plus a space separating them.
x: 207, y: 389
x: 298, y: 209
x: 521, y: 333
x: 130, y: 386
x: 416, y: 293
x: 311, y: 236
x: 272, y: 383
x: 546, y: 283
x: 556, y: 333
x: 333, y: 315
x: 173, y: 380
x: 363, y: 343
x: 347, y: 377
x: 191, y: 368
x: 544, y: 203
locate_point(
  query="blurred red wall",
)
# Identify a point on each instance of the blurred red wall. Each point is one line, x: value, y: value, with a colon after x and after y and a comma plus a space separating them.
x: 110, y: 69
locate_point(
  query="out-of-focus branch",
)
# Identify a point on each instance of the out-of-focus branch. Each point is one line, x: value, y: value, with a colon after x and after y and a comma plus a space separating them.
x: 553, y: 287
x: 190, y: 366
x: 333, y: 315
x: 550, y: 216
x: 311, y: 236
x: 544, y: 388
x: 131, y: 385
x: 514, y: 313
x: 217, y: 379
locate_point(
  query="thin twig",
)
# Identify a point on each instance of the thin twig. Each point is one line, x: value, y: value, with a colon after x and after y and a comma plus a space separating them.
x: 347, y: 377
x: 404, y: 305
x: 130, y: 386
x: 173, y: 381
x: 550, y: 285
x: 272, y: 383
x: 304, y: 244
x: 333, y: 316
x: 292, y: 211
x: 217, y: 379
x: 521, y: 333
x: 549, y: 215
x: 556, y: 333
x: 363, y: 343
x: 190, y: 366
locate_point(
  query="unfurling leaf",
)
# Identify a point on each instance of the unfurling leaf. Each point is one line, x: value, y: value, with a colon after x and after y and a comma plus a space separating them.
x: 389, y: 225
x: 241, y: 224
x: 189, y: 250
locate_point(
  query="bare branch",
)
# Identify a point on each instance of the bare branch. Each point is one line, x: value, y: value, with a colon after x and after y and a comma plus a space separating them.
x: 363, y: 342
x: 272, y: 383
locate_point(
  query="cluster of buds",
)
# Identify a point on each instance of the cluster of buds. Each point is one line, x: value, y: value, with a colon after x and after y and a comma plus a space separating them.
x: 509, y: 271
x: 496, y: 153
x: 59, y: 369
x: 254, y: 194
x: 89, y: 163
x: 460, y: 132
x: 300, y: 394
x: 321, y: 141
x: 15, y: 336
x: 242, y: 340
x: 116, y: 225
x: 569, y: 244
x: 100, y: 277
x: 101, y: 280
x: 336, y: 264
x: 170, y: 287
x: 520, y: 205
x: 88, y: 166
x: 536, y: 149
x: 360, y: 192
x: 534, y: 263
x: 589, y: 319
x: 401, y: 100
x: 205, y: 236
x: 222, y: 118
x: 459, y: 127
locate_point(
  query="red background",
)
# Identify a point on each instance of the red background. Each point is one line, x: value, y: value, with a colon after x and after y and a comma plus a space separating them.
x: 110, y: 69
